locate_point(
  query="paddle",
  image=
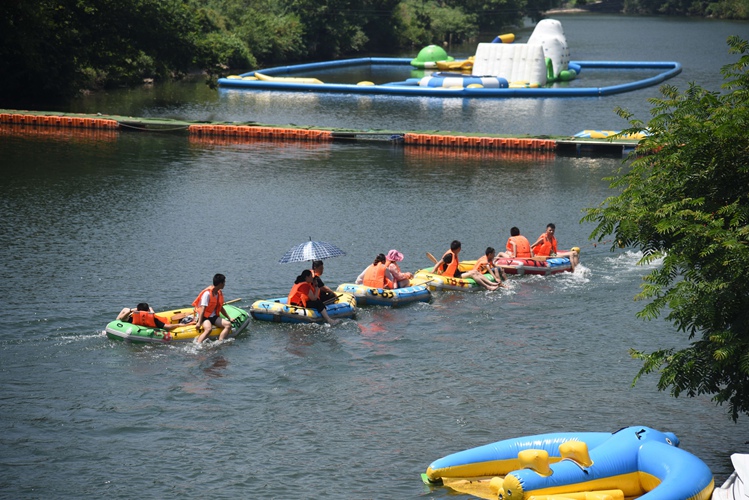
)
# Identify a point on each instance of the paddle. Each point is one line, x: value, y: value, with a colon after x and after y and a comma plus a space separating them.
x: 232, y: 301
x: 432, y: 258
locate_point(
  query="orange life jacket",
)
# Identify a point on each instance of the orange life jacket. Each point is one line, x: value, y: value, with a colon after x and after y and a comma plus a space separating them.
x: 215, y: 303
x: 451, y: 268
x: 482, y: 265
x: 522, y: 246
x: 299, y: 294
x: 374, y: 276
x: 546, y: 247
x: 145, y: 318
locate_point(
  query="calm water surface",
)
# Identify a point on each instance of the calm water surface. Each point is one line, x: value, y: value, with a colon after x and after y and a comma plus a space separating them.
x: 92, y: 223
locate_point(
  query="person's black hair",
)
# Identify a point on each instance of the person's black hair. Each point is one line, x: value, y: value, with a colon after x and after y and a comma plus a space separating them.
x: 316, y: 263
x: 551, y: 225
x: 514, y: 232
x: 143, y: 306
x: 303, y: 277
x: 489, y: 250
x: 380, y: 258
x: 454, y: 245
x: 218, y: 279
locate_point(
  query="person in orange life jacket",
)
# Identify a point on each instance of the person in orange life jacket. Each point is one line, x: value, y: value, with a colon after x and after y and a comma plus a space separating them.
x: 546, y: 246
x: 518, y: 246
x: 484, y: 265
x: 143, y: 315
x: 379, y: 260
x: 399, y: 278
x: 303, y: 294
x: 325, y: 294
x: 450, y: 268
x: 208, y: 305
x: 378, y: 275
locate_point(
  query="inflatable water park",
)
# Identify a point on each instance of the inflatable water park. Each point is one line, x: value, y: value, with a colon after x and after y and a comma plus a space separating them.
x: 634, y: 462
x: 540, y: 67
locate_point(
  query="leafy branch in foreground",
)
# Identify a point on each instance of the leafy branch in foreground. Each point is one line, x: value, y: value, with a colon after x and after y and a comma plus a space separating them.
x: 684, y: 198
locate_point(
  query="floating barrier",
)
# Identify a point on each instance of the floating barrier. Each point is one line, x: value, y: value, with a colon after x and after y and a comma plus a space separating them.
x: 79, y: 135
x: 480, y: 142
x: 260, y: 132
x: 58, y: 121
x: 231, y: 134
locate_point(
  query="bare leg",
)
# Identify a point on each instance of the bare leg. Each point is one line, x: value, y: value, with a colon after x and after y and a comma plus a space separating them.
x: 207, y: 326
x: 227, y: 329
x: 328, y: 318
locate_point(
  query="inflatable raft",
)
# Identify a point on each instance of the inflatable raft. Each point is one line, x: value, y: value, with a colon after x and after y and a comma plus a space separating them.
x: 436, y: 282
x: 369, y: 296
x: 128, y: 332
x: 634, y: 462
x: 552, y: 265
x: 277, y: 311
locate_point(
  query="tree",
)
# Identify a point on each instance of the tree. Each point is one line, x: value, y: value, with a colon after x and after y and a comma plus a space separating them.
x: 685, y: 199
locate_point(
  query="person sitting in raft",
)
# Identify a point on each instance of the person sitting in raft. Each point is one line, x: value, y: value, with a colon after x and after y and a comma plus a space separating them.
x: 445, y: 268
x: 377, y: 275
x: 209, y: 304
x: 323, y: 292
x: 485, y: 265
x: 143, y: 315
x: 303, y: 294
x: 400, y: 279
x: 518, y: 246
x: 546, y: 246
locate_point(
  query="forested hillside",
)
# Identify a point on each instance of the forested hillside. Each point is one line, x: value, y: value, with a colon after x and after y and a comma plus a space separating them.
x: 56, y: 48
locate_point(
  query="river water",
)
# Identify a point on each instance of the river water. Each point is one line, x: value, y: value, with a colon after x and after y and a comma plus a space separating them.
x: 93, y: 222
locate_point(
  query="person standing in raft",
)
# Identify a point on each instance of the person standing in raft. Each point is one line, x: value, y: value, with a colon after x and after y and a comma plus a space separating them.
x: 484, y: 265
x: 303, y: 294
x: 449, y: 267
x: 323, y: 292
x: 208, y: 305
x: 400, y: 279
x: 546, y: 246
x: 518, y: 246
x: 143, y: 315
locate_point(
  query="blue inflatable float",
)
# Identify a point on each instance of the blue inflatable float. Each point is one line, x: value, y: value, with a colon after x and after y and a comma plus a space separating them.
x: 634, y: 462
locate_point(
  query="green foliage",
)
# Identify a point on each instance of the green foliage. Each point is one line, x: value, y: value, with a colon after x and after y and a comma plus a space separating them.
x: 432, y: 22
x: 685, y: 200
x: 726, y: 9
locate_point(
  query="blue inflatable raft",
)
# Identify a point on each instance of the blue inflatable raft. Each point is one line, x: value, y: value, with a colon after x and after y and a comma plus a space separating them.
x: 634, y: 462
x: 369, y: 296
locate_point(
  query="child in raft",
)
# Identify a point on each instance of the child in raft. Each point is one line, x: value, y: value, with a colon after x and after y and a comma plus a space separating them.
x: 303, y: 294
x: 483, y: 266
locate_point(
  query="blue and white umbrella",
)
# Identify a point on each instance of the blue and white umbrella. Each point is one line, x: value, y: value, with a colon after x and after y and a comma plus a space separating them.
x: 311, y: 250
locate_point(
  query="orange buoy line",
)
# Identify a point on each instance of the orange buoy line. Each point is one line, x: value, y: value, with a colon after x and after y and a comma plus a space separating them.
x: 58, y: 121
x: 243, y: 131
x: 480, y: 142
x: 247, y: 133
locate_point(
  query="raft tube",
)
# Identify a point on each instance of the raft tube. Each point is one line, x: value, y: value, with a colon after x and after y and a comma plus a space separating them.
x: 552, y: 265
x: 277, y: 311
x: 634, y: 462
x: 128, y: 332
x: 458, y: 80
x: 369, y: 296
x: 435, y: 282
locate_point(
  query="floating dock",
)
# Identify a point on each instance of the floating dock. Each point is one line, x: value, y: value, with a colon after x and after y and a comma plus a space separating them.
x: 13, y: 122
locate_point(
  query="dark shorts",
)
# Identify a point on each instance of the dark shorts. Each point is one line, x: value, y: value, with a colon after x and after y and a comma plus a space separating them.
x: 212, y: 319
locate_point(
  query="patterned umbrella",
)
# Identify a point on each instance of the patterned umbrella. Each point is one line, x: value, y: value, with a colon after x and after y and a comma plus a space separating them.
x: 311, y: 250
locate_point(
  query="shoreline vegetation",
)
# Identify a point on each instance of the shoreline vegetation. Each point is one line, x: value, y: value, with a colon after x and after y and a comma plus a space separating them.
x: 59, y: 48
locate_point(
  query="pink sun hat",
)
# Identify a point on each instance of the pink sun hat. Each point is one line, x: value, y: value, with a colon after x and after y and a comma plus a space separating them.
x: 395, y: 256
